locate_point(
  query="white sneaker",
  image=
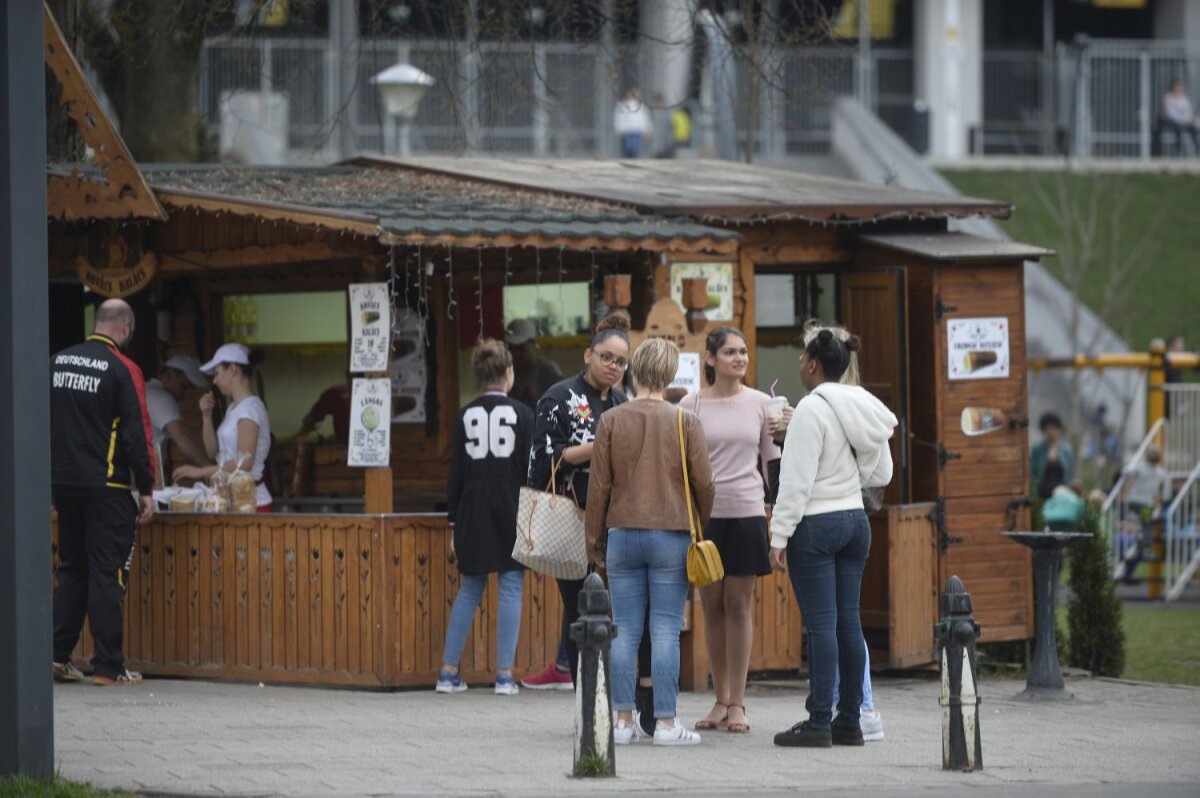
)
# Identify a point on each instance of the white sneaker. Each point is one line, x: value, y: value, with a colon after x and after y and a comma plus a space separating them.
x: 624, y: 733
x: 871, y: 723
x: 676, y: 735
x: 506, y: 686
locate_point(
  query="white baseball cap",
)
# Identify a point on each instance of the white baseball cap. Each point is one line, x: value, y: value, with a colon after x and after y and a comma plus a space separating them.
x: 228, y: 353
x: 519, y: 331
x: 190, y: 367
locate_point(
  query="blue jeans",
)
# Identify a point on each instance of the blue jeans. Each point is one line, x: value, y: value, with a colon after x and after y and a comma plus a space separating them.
x: 508, y: 620
x: 647, y: 566
x: 868, y: 699
x: 826, y: 556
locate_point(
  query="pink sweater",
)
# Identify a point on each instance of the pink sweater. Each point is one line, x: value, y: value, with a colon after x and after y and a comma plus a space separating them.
x: 738, y: 435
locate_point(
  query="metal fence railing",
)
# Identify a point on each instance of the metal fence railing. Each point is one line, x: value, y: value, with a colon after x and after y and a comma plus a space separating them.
x: 1095, y: 99
x: 534, y: 98
x: 1120, y: 524
x: 1181, y: 444
x: 1181, y: 541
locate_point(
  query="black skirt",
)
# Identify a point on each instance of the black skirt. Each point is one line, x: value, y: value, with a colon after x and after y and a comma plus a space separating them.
x: 744, y: 544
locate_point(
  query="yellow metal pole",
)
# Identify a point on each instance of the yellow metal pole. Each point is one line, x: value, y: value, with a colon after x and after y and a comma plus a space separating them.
x: 1156, y: 407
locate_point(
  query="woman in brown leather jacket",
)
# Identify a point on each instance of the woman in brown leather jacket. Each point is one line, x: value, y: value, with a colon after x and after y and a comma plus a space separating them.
x: 637, y: 524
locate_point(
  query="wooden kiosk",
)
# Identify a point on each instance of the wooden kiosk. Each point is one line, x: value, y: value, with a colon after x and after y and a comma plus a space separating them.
x: 362, y: 598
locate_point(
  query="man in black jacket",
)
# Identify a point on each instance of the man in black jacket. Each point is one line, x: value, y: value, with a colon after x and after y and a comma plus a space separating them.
x: 101, y: 449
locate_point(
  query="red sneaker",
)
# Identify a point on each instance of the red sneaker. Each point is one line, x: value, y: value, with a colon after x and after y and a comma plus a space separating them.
x: 550, y: 679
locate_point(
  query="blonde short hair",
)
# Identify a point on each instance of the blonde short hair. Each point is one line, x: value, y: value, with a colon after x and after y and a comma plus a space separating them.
x: 851, y: 376
x: 654, y: 364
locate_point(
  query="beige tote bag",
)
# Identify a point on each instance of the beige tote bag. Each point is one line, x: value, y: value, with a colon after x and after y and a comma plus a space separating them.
x: 550, y: 532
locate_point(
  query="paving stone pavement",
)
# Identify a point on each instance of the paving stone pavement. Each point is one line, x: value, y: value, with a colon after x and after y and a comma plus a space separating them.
x: 176, y: 737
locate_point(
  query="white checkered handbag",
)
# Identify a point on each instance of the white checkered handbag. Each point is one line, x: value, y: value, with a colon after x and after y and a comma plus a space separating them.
x: 550, y: 533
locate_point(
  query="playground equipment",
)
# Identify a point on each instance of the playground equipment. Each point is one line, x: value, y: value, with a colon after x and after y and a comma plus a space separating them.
x: 1173, y: 552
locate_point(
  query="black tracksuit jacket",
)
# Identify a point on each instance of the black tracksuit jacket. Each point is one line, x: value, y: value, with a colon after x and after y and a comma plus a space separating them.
x: 100, y: 438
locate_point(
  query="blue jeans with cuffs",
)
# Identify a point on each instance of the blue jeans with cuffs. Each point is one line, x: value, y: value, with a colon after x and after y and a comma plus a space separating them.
x: 508, y: 619
x: 647, y: 567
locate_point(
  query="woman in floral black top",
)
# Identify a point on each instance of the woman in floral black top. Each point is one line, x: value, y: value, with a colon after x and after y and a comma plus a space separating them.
x: 564, y: 427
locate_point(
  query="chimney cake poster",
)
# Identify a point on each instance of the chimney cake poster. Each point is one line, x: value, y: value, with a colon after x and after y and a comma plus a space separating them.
x: 978, y: 349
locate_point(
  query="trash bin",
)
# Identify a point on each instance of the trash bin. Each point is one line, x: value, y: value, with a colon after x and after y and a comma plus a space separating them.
x: 918, y: 127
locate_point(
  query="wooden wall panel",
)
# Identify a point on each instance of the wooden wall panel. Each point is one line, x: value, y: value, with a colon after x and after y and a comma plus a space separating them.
x: 991, y: 470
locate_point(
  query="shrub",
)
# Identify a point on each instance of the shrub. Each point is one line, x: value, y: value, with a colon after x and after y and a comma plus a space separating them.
x: 1096, y: 641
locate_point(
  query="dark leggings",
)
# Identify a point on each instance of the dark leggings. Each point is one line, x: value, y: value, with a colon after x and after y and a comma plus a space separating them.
x: 568, y: 652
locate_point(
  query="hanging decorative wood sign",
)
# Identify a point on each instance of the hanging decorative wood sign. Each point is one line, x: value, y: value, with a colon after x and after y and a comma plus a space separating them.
x: 117, y: 282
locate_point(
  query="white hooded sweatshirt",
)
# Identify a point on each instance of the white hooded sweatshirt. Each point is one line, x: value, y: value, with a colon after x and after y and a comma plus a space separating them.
x: 818, y: 474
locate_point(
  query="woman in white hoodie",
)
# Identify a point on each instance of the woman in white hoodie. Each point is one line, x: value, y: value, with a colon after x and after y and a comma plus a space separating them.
x: 837, y: 443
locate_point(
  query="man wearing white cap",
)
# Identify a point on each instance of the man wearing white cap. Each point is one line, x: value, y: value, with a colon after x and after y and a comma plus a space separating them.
x: 163, y: 395
x: 533, y: 374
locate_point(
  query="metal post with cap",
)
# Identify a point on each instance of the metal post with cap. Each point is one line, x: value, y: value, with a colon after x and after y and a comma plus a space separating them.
x: 955, y: 636
x: 593, y: 634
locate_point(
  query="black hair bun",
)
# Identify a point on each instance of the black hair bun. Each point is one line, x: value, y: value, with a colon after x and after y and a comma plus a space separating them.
x: 852, y: 343
x: 256, y: 357
x: 824, y: 338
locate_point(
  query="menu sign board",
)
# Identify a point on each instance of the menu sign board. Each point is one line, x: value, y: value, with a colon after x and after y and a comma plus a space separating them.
x: 370, y: 432
x: 370, y: 326
x: 977, y: 349
x: 687, y: 376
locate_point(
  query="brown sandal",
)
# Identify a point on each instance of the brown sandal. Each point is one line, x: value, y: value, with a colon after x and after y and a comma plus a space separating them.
x: 738, y: 728
x: 707, y: 725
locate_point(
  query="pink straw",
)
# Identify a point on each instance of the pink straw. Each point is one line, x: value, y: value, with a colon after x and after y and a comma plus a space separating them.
x: 773, y: 387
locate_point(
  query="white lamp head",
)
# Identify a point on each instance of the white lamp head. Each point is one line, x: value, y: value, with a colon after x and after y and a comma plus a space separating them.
x: 401, y: 87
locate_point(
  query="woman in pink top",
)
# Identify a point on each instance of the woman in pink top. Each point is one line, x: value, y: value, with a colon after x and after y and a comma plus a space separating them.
x: 740, y: 445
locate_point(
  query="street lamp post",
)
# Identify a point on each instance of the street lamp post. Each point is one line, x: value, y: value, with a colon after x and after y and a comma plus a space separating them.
x: 401, y: 87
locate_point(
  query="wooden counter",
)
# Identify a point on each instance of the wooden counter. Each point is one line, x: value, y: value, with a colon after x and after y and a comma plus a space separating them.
x: 354, y: 600
x: 363, y: 600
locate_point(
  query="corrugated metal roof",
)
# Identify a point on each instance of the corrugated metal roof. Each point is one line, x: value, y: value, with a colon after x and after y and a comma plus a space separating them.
x: 954, y: 246
x: 717, y: 191
x: 410, y: 203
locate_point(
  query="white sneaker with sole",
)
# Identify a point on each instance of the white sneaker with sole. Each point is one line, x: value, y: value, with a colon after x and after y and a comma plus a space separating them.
x: 871, y: 723
x: 624, y: 733
x: 676, y: 735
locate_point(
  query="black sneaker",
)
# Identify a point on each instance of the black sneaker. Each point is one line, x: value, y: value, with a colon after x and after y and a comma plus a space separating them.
x: 643, y: 700
x: 802, y: 735
x: 845, y: 734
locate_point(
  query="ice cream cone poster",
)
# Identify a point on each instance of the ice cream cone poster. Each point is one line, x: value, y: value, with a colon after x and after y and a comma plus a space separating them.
x: 978, y: 349
x: 370, y: 326
x: 370, y: 427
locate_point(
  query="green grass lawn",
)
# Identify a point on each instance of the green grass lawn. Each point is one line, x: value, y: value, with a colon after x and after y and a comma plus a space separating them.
x: 1163, y: 211
x: 1162, y: 645
x: 57, y: 788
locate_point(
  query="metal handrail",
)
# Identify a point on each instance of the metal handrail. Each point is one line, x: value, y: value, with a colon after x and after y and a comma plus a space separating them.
x: 1181, y: 564
x: 1151, y: 436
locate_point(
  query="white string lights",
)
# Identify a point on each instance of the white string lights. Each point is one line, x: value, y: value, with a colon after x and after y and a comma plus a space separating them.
x: 452, y: 303
x: 479, y: 288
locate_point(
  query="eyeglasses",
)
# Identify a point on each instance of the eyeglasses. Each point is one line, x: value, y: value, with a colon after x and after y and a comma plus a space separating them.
x: 608, y: 359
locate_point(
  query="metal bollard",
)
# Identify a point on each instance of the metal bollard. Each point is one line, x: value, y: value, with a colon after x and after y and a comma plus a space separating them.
x: 593, y: 633
x: 955, y: 636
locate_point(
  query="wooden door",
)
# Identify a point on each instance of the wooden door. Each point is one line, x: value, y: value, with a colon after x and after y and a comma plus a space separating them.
x: 982, y: 479
x: 912, y: 584
x: 873, y: 308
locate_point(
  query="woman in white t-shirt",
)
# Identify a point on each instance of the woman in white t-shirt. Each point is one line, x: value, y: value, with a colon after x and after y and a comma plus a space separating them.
x: 246, y: 426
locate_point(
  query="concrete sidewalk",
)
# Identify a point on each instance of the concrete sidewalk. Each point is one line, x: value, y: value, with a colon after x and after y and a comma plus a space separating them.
x: 204, y: 738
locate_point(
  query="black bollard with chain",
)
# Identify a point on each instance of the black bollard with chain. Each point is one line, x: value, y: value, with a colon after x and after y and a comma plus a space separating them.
x: 593, y: 634
x: 955, y: 637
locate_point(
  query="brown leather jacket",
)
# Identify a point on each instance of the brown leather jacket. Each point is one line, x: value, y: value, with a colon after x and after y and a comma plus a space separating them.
x: 637, y: 477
